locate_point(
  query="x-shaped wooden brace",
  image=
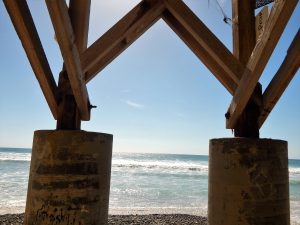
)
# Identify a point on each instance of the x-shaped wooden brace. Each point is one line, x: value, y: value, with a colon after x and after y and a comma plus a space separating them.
x: 81, y: 67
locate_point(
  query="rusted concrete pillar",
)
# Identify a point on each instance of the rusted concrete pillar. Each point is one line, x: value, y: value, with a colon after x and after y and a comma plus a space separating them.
x: 69, y: 178
x: 248, y: 182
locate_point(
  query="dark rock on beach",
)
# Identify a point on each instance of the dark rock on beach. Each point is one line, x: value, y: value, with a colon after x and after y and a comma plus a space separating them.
x: 162, y: 219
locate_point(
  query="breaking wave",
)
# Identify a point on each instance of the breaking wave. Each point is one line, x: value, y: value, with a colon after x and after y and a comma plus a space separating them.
x: 11, y: 156
x: 160, y: 165
x: 117, y: 162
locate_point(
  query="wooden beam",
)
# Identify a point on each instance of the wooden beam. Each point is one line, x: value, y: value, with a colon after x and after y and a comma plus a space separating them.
x: 200, y: 52
x: 244, y: 39
x: 24, y: 25
x: 258, y: 3
x: 213, y: 46
x: 69, y: 115
x: 127, y: 30
x: 58, y: 11
x: 105, y: 60
x: 280, y: 14
x: 282, y: 78
x: 79, y: 12
x: 120, y: 36
x: 205, y: 55
x: 243, y: 27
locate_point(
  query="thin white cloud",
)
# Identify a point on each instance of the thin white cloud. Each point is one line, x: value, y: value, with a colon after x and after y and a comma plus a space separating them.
x: 134, y: 104
x: 179, y: 114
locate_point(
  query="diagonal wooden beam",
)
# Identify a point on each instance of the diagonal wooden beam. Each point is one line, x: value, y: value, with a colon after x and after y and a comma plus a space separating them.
x: 126, y: 31
x: 280, y: 15
x: 212, y: 45
x: 200, y: 52
x: 58, y: 11
x: 106, y: 59
x: 281, y: 80
x: 24, y: 25
x: 205, y: 45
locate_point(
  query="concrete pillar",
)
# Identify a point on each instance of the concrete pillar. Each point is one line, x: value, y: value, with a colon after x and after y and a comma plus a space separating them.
x: 248, y: 182
x: 69, y: 178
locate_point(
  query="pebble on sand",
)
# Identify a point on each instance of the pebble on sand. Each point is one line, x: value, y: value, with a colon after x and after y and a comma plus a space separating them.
x: 151, y: 219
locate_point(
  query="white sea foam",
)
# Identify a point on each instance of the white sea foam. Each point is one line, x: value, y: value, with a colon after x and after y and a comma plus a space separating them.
x: 294, y: 171
x: 173, y: 165
x: 12, y: 156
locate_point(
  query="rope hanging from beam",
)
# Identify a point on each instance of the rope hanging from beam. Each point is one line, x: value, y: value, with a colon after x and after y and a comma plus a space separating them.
x: 257, y: 4
x: 226, y: 19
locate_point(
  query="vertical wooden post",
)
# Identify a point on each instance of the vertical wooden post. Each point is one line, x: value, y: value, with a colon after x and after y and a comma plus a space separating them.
x: 69, y: 116
x: 68, y: 113
x: 244, y: 40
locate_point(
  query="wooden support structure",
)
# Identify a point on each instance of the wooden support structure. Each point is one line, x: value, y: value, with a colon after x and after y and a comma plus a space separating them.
x: 105, y: 60
x: 280, y: 14
x: 244, y: 39
x: 58, y: 11
x: 213, y: 46
x: 238, y: 72
x: 243, y: 27
x: 120, y: 36
x: 79, y: 12
x: 24, y: 25
x: 281, y: 80
x: 69, y: 115
x: 200, y: 52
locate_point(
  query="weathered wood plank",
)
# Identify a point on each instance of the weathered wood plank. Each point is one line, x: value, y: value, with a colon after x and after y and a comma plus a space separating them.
x: 105, y: 60
x: 24, y: 25
x: 200, y: 52
x: 213, y: 46
x: 58, y: 11
x: 244, y: 39
x: 79, y: 12
x: 280, y: 14
x: 127, y: 30
x: 69, y: 115
x: 243, y: 27
x: 281, y: 80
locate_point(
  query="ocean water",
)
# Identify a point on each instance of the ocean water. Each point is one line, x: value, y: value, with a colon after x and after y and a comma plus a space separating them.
x: 172, y: 183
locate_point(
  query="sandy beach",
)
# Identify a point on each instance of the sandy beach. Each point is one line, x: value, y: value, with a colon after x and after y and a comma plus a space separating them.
x: 166, y: 219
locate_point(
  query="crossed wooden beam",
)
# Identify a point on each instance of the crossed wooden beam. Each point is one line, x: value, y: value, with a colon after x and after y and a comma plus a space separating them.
x: 82, y: 64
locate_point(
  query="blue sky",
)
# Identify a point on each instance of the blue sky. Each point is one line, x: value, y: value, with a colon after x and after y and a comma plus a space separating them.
x: 155, y: 97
